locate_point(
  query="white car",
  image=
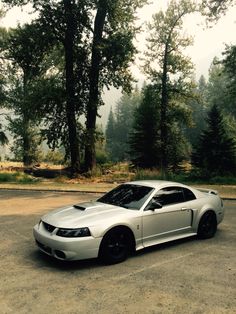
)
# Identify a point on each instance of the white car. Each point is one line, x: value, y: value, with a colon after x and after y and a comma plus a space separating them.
x: 131, y: 217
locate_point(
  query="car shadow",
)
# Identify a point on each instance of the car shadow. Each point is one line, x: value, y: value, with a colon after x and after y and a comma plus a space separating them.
x: 44, y: 260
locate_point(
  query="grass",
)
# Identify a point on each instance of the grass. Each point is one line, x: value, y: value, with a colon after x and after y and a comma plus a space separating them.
x: 16, y: 177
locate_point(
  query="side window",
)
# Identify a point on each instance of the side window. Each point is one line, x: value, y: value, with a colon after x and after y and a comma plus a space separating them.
x: 188, y: 195
x: 170, y: 195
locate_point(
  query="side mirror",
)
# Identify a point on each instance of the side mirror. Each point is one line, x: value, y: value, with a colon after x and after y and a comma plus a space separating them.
x: 153, y: 205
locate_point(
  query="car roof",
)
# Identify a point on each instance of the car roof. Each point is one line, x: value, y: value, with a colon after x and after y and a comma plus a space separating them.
x: 156, y: 183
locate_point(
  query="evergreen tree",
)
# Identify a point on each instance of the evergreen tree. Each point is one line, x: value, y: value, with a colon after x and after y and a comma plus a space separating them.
x: 110, y: 134
x: 229, y: 70
x: 198, y: 107
x: 145, y: 137
x: 215, y: 153
x: 120, y: 124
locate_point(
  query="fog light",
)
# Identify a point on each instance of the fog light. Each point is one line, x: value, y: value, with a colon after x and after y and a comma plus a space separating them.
x: 60, y: 254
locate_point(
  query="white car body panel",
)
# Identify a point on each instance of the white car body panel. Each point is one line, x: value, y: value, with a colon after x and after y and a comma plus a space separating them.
x: 149, y: 227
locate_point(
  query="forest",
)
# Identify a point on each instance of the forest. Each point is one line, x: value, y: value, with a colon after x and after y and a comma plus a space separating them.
x: 53, y: 72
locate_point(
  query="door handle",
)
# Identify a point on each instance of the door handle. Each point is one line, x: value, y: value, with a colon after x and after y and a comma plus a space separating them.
x: 184, y: 208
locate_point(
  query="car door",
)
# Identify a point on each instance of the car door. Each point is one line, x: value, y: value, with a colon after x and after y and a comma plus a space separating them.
x: 172, y: 218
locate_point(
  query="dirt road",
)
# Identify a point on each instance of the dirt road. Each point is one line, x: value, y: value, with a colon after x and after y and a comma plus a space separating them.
x: 189, y: 276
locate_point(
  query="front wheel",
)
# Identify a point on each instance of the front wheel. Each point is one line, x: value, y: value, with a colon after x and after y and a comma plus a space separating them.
x: 115, y: 246
x: 207, y: 226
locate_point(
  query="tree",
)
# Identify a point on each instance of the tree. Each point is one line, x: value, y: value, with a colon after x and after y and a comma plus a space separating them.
x: 145, y: 136
x: 120, y: 124
x: 105, y: 52
x: 215, y: 153
x: 216, y: 86
x: 167, y: 66
x: 215, y: 8
x: 112, y: 52
x: 229, y: 70
x: 64, y: 21
x: 198, y: 107
x: 110, y: 134
x: 26, y: 49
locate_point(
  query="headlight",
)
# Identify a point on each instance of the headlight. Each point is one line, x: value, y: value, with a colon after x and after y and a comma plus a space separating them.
x: 73, y: 233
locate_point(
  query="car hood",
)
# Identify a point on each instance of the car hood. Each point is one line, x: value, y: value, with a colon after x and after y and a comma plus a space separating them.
x: 85, y: 215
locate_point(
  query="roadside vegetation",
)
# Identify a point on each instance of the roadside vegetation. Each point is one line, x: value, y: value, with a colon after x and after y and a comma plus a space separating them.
x: 17, y: 177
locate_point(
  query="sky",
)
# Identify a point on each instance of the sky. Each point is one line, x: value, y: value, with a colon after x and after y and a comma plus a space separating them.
x: 208, y: 42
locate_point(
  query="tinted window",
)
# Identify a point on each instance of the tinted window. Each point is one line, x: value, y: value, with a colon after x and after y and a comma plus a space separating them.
x: 127, y: 195
x: 188, y: 195
x: 170, y: 195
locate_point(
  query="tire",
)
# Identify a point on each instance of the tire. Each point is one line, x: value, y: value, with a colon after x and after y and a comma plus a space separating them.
x: 207, y: 226
x: 115, y: 246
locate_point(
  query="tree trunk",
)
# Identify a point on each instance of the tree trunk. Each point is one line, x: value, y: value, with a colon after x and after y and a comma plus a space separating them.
x: 70, y: 87
x: 164, y: 104
x: 90, y: 156
x: 27, y: 160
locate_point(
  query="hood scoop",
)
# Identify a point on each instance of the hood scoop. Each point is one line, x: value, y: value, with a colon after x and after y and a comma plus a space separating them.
x: 79, y: 207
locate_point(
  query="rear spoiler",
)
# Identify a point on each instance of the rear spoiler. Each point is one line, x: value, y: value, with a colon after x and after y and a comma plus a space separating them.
x: 214, y: 192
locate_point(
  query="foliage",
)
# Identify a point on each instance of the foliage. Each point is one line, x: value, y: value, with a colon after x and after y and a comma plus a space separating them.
x: 217, y: 86
x: 221, y: 91
x: 25, y: 51
x: 97, y: 37
x: 101, y: 154
x: 215, y: 153
x: 16, y: 177
x: 213, y: 9
x: 119, y: 126
x: 55, y: 157
x: 111, y: 56
x: 145, y: 137
x: 229, y: 70
x: 192, y: 177
x: 198, y: 107
x: 168, y: 67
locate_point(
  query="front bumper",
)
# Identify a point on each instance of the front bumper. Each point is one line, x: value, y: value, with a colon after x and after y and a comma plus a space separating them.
x: 65, y: 248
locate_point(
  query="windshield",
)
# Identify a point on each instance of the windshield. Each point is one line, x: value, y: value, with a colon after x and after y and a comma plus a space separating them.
x: 127, y: 195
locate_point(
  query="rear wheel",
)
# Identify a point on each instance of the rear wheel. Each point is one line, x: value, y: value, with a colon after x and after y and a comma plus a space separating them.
x: 115, y: 246
x: 207, y: 225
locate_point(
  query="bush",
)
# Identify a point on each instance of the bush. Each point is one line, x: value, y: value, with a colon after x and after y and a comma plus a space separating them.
x: 101, y: 157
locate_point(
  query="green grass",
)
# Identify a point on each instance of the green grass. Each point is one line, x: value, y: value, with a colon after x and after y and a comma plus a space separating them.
x: 16, y: 177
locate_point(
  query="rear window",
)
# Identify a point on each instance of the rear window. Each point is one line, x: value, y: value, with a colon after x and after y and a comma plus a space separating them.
x: 188, y: 195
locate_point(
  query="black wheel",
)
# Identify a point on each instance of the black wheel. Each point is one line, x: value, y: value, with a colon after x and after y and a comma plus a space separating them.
x: 207, y: 226
x: 115, y: 246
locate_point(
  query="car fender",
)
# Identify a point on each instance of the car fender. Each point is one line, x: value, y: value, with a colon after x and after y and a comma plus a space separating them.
x: 205, y: 208
x: 100, y: 230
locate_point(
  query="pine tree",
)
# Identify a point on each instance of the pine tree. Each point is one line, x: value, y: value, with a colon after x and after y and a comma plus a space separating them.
x: 110, y: 133
x: 145, y: 136
x: 119, y: 126
x: 215, y: 153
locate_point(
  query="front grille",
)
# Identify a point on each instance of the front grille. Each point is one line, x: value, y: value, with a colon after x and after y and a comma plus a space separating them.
x: 48, y: 227
x: 44, y: 247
